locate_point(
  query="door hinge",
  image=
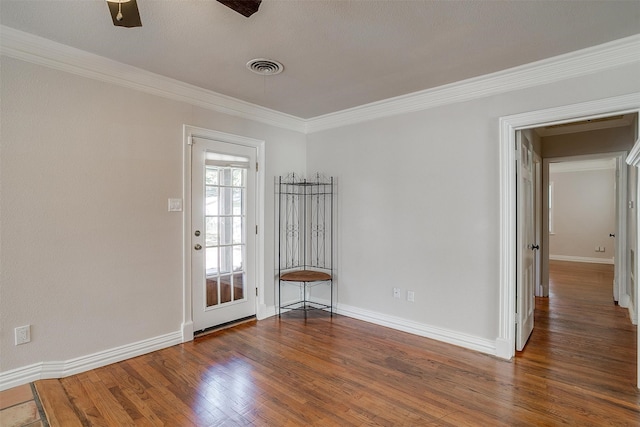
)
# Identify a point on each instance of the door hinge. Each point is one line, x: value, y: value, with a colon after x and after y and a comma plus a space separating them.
x: 256, y: 291
x: 256, y: 229
x: 256, y: 166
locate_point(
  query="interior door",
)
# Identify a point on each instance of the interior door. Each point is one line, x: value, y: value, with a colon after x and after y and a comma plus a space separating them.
x: 537, y: 211
x: 617, y: 258
x: 525, y: 288
x: 223, y: 237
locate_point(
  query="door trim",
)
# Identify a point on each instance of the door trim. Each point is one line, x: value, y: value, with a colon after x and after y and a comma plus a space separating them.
x: 508, y: 125
x: 188, y: 133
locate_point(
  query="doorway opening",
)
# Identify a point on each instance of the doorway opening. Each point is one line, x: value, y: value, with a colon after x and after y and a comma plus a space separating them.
x: 586, y: 203
x: 628, y: 104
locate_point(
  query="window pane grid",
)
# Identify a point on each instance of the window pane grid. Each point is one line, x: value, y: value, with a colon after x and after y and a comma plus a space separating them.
x: 225, y: 234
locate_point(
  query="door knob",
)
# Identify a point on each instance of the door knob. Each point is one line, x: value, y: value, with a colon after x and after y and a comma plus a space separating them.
x: 612, y: 235
x: 197, y: 247
x: 535, y: 247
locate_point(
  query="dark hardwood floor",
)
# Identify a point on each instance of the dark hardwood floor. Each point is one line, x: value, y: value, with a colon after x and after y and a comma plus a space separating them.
x: 579, y: 368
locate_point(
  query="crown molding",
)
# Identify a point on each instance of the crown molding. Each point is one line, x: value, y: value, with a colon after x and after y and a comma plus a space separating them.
x: 633, y: 158
x: 38, y: 50
x: 574, y: 64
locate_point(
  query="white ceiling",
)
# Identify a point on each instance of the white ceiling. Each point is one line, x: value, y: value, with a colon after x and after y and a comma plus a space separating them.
x: 337, y: 54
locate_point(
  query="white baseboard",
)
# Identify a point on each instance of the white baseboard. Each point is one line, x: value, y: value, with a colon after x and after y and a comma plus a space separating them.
x: 581, y: 259
x: 47, y: 370
x: 505, y: 349
x: 439, y: 334
x: 265, y: 311
x: 633, y: 313
x: 187, y: 331
x: 624, y: 301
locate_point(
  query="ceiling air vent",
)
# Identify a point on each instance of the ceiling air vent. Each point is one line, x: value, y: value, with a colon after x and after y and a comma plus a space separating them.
x: 265, y: 67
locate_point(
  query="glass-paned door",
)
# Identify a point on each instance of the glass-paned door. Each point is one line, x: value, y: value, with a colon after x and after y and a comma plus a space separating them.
x: 225, y: 217
x: 223, y: 227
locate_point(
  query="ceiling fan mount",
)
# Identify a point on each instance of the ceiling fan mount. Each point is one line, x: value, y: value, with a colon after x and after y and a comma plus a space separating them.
x: 124, y: 13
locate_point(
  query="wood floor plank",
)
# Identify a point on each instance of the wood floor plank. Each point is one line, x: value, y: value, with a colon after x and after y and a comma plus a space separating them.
x: 578, y: 368
x: 57, y: 406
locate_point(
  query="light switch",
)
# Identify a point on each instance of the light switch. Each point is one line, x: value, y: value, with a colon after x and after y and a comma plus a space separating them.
x: 175, y: 205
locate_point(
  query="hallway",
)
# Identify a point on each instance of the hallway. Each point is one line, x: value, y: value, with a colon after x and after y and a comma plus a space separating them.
x: 583, y: 344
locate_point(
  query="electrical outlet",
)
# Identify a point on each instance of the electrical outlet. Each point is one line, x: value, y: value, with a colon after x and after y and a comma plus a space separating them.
x: 597, y: 248
x: 23, y: 334
x: 396, y: 293
x: 411, y: 296
x: 602, y: 249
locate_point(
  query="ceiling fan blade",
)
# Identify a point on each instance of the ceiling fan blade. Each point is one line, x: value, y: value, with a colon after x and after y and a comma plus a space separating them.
x: 130, y: 14
x: 243, y: 7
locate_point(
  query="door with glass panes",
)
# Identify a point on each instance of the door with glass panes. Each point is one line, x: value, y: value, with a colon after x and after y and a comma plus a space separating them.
x: 223, y: 232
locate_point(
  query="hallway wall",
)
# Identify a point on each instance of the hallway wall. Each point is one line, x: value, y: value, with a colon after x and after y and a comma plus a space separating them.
x: 583, y: 211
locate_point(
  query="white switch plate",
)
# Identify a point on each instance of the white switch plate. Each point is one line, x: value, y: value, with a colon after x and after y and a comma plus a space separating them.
x: 396, y: 293
x: 175, y: 205
x: 411, y: 296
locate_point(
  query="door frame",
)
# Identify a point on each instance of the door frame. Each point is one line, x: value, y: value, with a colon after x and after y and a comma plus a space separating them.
x: 188, y: 133
x: 508, y: 125
x: 621, y: 195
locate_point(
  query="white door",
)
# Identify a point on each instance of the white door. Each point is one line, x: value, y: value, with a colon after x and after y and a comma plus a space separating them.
x: 223, y: 238
x: 618, y: 288
x: 537, y: 208
x: 525, y: 292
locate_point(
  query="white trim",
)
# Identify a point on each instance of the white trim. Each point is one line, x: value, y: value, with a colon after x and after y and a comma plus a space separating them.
x: 266, y: 311
x: 633, y: 158
x: 632, y: 311
x: 624, y: 300
x: 428, y: 331
x: 581, y: 259
x: 424, y: 330
x: 190, y: 132
x: 38, y: 50
x: 574, y: 64
x: 508, y: 126
x: 47, y: 370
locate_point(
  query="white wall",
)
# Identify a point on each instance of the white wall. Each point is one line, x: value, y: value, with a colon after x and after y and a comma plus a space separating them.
x: 419, y: 205
x: 90, y: 257
x: 584, y: 212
